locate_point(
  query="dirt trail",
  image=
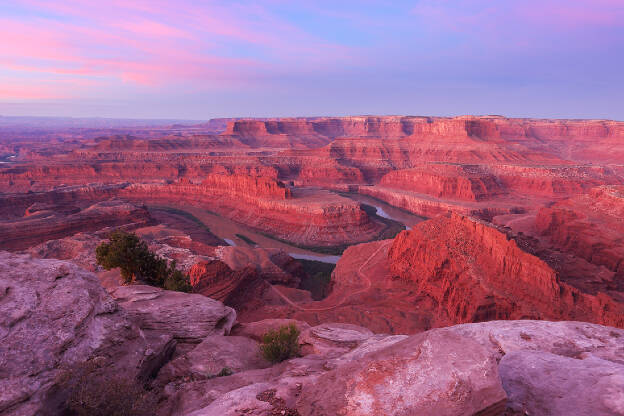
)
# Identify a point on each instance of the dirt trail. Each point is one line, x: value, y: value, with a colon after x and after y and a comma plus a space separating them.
x: 363, y: 276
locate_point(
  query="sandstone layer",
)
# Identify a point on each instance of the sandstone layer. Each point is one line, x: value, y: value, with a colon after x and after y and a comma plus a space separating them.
x: 589, y: 226
x: 49, y: 224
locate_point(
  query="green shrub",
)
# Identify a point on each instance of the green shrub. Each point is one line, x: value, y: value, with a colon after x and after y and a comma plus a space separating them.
x: 91, y: 392
x: 136, y: 262
x: 282, y: 344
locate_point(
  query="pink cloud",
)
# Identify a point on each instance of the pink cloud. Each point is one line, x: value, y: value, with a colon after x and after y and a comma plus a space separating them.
x: 157, y: 43
x: 28, y: 92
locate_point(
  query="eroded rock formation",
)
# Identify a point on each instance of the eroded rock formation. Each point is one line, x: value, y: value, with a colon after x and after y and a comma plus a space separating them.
x: 50, y: 224
x: 589, y: 226
x: 474, y: 272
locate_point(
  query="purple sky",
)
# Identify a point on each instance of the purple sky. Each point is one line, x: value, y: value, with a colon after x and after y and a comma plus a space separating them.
x: 204, y: 59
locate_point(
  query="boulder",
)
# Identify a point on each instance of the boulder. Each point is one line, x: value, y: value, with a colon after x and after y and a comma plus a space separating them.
x: 333, y: 338
x: 189, y: 318
x: 212, y: 356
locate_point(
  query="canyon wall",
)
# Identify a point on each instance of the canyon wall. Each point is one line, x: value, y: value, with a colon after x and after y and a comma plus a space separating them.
x: 49, y: 224
x: 474, y: 272
x: 17, y: 205
x: 466, y: 182
x: 589, y: 226
x: 501, y: 139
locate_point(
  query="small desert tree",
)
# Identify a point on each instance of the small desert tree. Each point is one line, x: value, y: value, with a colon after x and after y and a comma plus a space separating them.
x: 281, y: 344
x: 128, y: 252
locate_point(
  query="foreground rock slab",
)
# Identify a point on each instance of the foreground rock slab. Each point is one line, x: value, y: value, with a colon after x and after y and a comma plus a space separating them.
x: 470, y: 369
x: 432, y: 373
x: 541, y: 383
x: 54, y: 315
x: 568, y: 339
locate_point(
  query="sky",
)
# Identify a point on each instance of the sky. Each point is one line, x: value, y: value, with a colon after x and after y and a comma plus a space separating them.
x: 192, y: 59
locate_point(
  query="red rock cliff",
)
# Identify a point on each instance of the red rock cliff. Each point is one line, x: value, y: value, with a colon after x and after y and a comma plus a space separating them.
x: 469, y: 183
x: 589, y: 226
x: 475, y: 273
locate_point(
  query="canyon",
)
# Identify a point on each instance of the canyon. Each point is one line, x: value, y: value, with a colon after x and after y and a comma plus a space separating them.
x: 492, y: 246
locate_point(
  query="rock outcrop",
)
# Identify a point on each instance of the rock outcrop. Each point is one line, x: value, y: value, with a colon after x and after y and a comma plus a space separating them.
x: 53, y: 316
x: 273, y: 265
x: 589, y: 226
x: 79, y: 248
x: 216, y: 280
x: 473, y: 273
x: 246, y: 285
x: 189, y: 318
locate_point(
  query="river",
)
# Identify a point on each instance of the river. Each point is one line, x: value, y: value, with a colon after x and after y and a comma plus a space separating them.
x: 230, y: 231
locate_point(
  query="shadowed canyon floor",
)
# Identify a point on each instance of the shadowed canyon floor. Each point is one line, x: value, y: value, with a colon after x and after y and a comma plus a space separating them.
x: 460, y: 238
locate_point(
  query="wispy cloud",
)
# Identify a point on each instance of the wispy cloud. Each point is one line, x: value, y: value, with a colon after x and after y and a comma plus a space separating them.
x: 156, y: 42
